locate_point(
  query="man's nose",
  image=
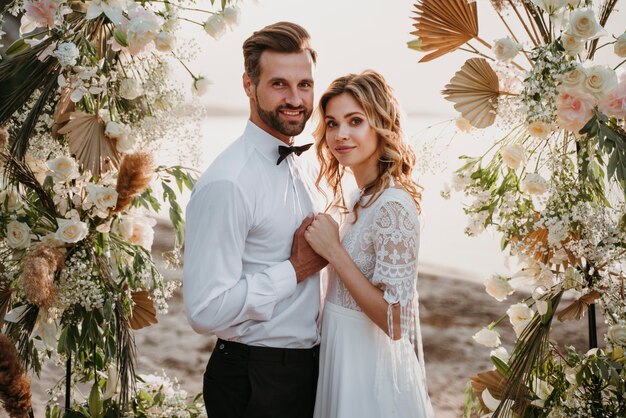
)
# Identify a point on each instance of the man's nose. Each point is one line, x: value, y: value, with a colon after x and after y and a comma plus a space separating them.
x: 293, y: 98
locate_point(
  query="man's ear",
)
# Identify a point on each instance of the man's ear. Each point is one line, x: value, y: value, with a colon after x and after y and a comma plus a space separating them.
x: 248, y: 86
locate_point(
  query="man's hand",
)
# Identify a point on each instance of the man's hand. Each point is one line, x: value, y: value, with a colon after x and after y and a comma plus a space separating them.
x: 306, y: 262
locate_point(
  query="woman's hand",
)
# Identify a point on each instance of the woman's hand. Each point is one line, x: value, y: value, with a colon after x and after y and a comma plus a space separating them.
x: 323, y: 235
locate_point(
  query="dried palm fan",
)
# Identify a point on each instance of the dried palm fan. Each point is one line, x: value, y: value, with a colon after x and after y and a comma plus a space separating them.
x: 492, y: 380
x: 143, y: 314
x: 65, y: 106
x: 474, y: 90
x: 88, y: 143
x: 444, y: 25
x: 538, y: 248
x: 577, y: 309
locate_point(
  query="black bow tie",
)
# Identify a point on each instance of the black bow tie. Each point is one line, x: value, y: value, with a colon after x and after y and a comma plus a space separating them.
x: 284, y: 151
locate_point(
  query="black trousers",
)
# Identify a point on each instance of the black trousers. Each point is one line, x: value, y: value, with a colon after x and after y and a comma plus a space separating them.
x: 243, y: 381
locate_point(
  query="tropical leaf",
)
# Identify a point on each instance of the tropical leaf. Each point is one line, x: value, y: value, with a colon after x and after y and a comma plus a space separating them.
x: 64, y: 107
x: 144, y: 313
x: 5, y: 300
x: 474, y: 90
x: 443, y: 26
x: 577, y: 309
x: 88, y: 143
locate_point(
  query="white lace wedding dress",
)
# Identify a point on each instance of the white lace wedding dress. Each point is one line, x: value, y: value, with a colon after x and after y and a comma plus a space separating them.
x: 363, y: 372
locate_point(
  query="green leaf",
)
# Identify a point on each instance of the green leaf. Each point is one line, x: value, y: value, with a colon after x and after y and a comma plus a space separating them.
x: 120, y: 37
x: 95, y: 402
x: 501, y: 366
x: 17, y: 48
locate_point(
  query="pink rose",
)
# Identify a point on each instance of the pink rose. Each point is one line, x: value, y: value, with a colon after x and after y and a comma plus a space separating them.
x: 42, y: 12
x: 614, y: 103
x: 573, y: 109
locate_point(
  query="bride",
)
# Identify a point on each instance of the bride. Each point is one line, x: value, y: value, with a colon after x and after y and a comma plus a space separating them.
x: 371, y: 360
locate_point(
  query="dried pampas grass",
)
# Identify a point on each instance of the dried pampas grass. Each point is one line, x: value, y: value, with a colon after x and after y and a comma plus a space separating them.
x: 40, y: 265
x: 14, y: 384
x: 135, y: 175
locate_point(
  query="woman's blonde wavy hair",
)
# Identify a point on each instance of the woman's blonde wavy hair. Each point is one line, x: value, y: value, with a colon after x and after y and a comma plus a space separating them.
x: 381, y: 108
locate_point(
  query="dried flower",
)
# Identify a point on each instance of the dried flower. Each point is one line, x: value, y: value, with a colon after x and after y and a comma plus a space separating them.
x: 14, y: 384
x: 134, y: 177
x: 40, y: 265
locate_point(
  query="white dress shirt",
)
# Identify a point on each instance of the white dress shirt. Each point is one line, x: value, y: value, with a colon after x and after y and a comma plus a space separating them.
x: 237, y: 281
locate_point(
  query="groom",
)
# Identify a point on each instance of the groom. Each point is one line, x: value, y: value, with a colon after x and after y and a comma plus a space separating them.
x: 247, y: 278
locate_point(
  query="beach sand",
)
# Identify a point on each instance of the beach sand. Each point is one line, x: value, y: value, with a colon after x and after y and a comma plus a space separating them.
x: 452, y: 309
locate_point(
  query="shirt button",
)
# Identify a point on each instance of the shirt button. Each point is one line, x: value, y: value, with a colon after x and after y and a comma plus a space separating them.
x: 221, y: 347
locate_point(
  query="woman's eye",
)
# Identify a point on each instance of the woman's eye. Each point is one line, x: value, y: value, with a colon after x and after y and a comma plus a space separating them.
x: 331, y: 124
x: 356, y: 121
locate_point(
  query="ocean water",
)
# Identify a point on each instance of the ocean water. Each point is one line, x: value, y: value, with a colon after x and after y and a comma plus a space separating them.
x: 444, y: 246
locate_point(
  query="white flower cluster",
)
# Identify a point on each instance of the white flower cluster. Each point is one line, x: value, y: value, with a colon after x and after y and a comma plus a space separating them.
x: 79, y: 284
x: 172, y: 400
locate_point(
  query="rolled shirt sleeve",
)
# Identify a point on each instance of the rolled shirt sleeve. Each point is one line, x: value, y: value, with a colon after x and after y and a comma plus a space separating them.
x: 217, y: 294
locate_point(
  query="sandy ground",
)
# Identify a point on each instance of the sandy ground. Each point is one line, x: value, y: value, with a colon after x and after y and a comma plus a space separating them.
x: 452, y: 310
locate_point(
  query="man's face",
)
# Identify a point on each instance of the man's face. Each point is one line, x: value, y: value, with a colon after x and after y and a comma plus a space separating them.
x: 283, y: 97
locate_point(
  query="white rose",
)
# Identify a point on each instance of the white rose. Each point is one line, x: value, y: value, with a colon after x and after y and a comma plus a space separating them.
x: 125, y: 144
x: 584, y: 24
x: 70, y: 231
x: 487, y: 337
x: 575, y: 77
x: 539, y: 129
x: 67, y: 53
x: 620, y: 46
x: 232, y: 15
x: 130, y: 89
x: 506, y: 49
x: 63, y: 169
x: 18, y: 235
x: 141, y: 30
x: 513, y: 155
x: 600, y: 80
x: 200, y: 86
x: 617, y: 334
x: 550, y: 6
x: 215, y: 26
x: 101, y: 196
x: 115, y: 130
x: 519, y: 316
x: 533, y: 183
x: 498, y: 287
x: 137, y: 230
x: 572, y: 44
x: 165, y: 41
x: 12, y: 199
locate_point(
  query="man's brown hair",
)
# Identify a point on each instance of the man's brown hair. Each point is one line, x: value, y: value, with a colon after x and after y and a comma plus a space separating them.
x: 280, y: 37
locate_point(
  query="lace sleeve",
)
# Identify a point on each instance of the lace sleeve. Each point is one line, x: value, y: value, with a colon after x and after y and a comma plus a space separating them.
x: 396, y: 237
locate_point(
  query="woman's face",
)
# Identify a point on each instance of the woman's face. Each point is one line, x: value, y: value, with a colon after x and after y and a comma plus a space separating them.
x: 351, y: 139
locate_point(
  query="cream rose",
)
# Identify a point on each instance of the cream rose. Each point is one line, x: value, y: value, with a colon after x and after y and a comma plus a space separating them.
x: 115, y: 130
x: 617, y: 334
x: 505, y: 49
x: 573, y: 109
x: 572, y: 44
x: 533, y: 183
x: 200, y: 86
x: 539, y: 129
x: 620, y: 46
x: 487, y: 337
x: 130, y: 89
x: 519, y: 316
x: 614, y: 103
x: 498, y: 287
x: 18, y: 235
x: 575, y: 77
x: 165, y: 41
x: 137, y: 230
x: 63, y: 169
x: 232, y: 15
x: 11, y: 198
x: 584, y: 24
x: 215, y: 26
x: 125, y: 144
x: 102, y: 197
x: 141, y: 30
x: 600, y: 80
x: 70, y: 231
x: 513, y: 155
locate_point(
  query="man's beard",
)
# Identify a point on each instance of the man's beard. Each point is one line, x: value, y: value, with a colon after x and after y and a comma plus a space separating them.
x: 285, y: 127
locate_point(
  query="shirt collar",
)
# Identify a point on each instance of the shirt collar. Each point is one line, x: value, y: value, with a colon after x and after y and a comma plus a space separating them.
x: 262, y: 141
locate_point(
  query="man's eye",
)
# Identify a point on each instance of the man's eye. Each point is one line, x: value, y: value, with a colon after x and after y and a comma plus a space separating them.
x: 305, y: 85
x: 279, y: 83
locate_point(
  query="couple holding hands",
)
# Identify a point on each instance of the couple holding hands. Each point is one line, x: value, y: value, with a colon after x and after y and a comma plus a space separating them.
x: 262, y: 246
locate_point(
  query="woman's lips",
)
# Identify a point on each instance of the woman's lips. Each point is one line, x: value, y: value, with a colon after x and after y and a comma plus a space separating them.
x: 344, y: 149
